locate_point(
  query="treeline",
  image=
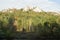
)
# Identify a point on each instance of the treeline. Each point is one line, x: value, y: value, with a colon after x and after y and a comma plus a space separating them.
x: 19, y: 20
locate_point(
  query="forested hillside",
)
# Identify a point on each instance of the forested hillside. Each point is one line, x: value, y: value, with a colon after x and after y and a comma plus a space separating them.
x: 19, y: 20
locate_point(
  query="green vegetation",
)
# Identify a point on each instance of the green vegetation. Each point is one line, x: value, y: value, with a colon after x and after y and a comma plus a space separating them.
x: 38, y: 22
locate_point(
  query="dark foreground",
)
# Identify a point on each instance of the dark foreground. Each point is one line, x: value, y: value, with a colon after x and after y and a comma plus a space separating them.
x: 30, y: 36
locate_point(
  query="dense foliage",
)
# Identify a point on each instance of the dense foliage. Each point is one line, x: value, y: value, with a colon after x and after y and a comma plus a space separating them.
x: 14, y: 20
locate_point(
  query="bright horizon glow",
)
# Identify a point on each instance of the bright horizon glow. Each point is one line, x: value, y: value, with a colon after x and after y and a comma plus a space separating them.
x: 46, y: 5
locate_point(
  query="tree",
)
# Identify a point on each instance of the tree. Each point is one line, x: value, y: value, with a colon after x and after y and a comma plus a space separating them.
x: 54, y: 26
x: 47, y: 27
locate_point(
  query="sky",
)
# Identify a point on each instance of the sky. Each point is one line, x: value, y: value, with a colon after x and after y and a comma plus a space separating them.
x: 46, y: 5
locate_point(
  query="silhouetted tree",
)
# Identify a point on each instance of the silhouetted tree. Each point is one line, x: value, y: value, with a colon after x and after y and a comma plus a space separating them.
x: 39, y: 28
x: 23, y: 30
x: 47, y: 27
x: 10, y: 25
x: 54, y: 25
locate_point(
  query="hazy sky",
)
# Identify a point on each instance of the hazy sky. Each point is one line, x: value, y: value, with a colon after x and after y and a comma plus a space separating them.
x: 50, y: 5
